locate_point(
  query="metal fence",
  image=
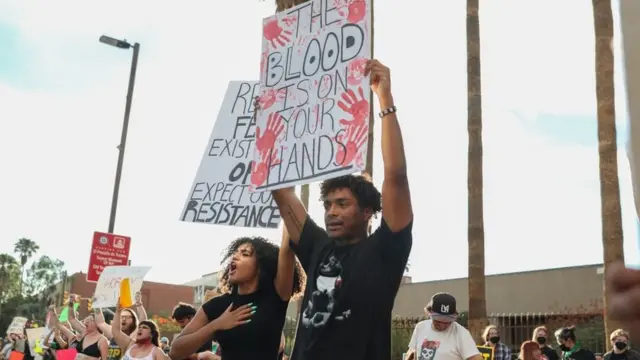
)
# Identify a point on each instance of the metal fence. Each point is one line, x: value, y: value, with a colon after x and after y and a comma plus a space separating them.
x: 514, y: 330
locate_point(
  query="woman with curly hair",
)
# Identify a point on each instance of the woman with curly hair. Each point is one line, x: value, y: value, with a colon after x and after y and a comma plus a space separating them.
x: 247, y: 319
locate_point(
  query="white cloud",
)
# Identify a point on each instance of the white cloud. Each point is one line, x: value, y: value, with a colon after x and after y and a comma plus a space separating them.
x: 540, y: 197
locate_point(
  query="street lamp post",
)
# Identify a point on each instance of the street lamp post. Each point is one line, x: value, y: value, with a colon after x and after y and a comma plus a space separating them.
x: 122, y: 44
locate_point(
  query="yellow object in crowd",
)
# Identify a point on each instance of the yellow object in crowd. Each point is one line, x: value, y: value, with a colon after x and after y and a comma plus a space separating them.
x: 125, y: 293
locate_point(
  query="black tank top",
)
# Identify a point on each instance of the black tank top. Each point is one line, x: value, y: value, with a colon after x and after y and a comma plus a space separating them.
x: 92, y: 350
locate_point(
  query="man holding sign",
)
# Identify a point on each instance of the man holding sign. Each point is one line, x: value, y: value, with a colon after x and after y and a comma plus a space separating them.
x: 353, y: 277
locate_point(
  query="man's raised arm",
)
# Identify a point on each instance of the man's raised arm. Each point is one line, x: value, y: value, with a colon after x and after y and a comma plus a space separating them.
x: 396, y: 199
x: 292, y: 211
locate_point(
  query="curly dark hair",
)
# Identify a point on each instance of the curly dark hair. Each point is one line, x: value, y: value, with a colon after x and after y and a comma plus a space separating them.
x: 267, y: 258
x: 361, y: 187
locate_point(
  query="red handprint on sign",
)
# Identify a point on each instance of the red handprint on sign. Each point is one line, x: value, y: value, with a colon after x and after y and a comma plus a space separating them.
x: 356, y: 71
x: 355, y: 12
x: 269, y: 97
x: 260, y: 171
x: 267, y: 140
x: 359, y: 109
x: 275, y: 34
x: 289, y: 21
x: 353, y: 139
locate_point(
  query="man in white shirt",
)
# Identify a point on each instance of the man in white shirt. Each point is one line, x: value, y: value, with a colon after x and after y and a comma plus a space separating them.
x: 441, y: 337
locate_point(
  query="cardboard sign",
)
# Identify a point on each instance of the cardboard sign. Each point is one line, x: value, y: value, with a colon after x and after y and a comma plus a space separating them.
x: 486, y: 352
x: 17, y: 325
x: 219, y: 194
x: 313, y: 121
x: 35, y: 335
x: 108, y: 286
x: 107, y: 250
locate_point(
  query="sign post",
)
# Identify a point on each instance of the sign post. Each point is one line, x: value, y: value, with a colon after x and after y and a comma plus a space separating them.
x: 107, y: 250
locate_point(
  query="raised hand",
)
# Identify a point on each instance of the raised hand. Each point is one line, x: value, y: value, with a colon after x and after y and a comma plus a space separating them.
x: 138, y: 299
x: 98, y: 316
x: 232, y: 318
x: 357, y: 108
x: 353, y: 139
x: 266, y: 139
x: 380, y: 78
x: 275, y: 34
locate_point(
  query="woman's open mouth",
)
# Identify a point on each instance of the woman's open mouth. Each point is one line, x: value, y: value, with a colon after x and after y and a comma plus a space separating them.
x: 232, y: 268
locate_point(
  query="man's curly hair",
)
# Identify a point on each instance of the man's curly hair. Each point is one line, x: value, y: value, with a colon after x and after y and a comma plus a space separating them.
x: 267, y: 257
x: 361, y: 187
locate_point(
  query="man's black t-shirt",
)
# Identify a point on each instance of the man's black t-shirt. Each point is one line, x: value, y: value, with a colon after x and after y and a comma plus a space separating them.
x: 349, y: 295
x: 258, y: 339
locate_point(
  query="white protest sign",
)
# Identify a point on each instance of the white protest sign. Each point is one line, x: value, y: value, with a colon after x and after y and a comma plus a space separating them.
x: 35, y: 337
x: 313, y: 121
x: 108, y: 285
x: 219, y: 194
x: 17, y: 325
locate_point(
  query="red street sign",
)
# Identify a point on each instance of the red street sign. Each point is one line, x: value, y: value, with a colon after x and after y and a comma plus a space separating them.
x: 107, y: 250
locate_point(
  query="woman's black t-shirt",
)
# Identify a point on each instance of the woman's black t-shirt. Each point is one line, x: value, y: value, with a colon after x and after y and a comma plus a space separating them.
x: 257, y: 339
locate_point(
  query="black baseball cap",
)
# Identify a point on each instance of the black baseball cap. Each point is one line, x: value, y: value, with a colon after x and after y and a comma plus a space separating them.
x: 442, y: 307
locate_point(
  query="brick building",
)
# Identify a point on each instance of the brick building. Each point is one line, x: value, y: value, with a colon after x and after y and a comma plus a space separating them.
x: 158, y: 298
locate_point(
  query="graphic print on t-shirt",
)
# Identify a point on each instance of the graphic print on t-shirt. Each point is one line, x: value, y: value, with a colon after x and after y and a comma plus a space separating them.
x: 320, y: 306
x: 428, y: 349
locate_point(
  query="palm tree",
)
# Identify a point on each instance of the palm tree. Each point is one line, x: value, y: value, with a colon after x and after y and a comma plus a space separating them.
x: 26, y: 248
x: 608, y: 149
x: 477, y: 300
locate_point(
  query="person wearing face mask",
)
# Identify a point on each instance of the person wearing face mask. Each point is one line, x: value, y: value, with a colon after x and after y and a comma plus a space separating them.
x: 620, y: 345
x: 570, y: 347
x: 440, y: 335
x: 540, y: 337
x: 491, y: 337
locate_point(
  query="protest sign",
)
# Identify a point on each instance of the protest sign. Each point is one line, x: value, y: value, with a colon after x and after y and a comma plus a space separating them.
x: 313, y: 121
x: 486, y: 352
x: 35, y: 335
x: 219, y: 194
x: 108, y: 286
x: 17, y: 325
x: 107, y: 250
x: 16, y: 355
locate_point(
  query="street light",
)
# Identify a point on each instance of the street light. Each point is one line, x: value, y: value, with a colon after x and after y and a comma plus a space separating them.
x: 122, y: 44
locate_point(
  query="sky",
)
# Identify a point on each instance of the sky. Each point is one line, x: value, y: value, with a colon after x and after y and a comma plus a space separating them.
x: 62, y: 96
